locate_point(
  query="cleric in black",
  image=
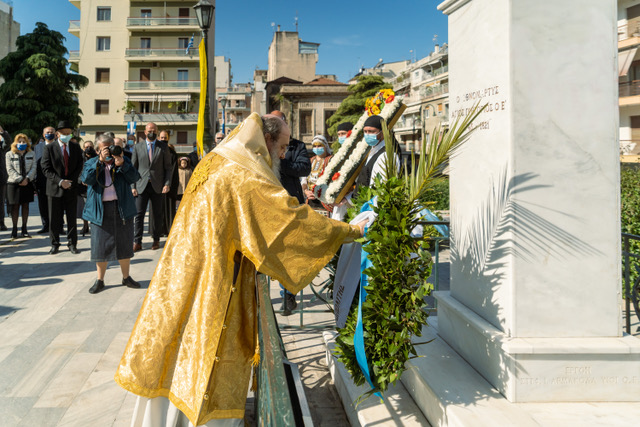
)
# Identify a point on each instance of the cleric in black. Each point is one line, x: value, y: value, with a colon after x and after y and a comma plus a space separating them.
x: 61, y: 164
x: 110, y: 208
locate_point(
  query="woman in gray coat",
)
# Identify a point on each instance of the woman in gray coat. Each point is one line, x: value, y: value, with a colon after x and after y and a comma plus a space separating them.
x: 21, y: 171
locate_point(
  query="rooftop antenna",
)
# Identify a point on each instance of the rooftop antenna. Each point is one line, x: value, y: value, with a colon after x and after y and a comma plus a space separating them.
x: 296, y: 21
x: 435, y: 38
x: 273, y: 26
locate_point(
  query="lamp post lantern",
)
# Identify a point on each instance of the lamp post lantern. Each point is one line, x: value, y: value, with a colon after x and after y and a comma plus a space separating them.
x: 204, y: 10
x: 223, y: 103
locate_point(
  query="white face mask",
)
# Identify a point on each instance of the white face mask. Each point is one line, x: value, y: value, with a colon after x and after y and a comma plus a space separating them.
x: 66, y: 138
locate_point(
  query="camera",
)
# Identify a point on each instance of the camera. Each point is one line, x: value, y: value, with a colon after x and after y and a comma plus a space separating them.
x: 115, y: 150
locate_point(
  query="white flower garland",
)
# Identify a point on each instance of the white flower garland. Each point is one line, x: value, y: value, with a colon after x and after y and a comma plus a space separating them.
x: 326, y: 189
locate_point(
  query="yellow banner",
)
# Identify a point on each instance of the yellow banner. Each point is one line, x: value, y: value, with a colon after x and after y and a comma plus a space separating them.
x: 203, y: 97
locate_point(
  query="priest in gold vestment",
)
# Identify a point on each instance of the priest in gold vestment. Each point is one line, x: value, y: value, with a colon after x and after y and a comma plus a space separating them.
x: 196, y: 334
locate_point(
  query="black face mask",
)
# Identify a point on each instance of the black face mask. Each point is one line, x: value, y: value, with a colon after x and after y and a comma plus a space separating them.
x: 151, y: 136
x: 90, y: 152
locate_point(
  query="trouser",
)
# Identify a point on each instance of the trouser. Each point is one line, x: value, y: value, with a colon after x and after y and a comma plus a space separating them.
x: 142, y: 201
x: 43, y: 202
x: 59, y: 206
x: 3, y: 197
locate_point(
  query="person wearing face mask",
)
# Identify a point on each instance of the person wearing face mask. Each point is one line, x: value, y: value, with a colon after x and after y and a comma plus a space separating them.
x: 110, y: 208
x: 343, y: 133
x: 48, y: 136
x: 62, y: 164
x: 377, y: 158
x: 320, y: 148
x: 21, y: 170
x: 152, y: 159
x: 120, y: 142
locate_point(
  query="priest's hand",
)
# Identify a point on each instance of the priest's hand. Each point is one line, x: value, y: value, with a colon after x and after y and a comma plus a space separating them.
x: 361, y: 226
x: 165, y: 189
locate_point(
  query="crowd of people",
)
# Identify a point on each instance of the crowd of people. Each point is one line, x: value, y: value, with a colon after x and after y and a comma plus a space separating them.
x: 79, y: 179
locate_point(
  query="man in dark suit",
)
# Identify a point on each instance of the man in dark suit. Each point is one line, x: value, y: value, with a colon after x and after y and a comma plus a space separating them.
x: 49, y: 135
x: 152, y: 159
x: 62, y: 164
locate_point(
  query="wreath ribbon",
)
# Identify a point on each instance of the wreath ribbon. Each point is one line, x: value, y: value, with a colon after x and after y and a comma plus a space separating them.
x: 358, y: 338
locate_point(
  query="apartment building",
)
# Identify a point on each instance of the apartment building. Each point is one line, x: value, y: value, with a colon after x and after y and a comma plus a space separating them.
x: 629, y: 78
x: 425, y: 86
x: 141, y: 66
x: 9, y: 30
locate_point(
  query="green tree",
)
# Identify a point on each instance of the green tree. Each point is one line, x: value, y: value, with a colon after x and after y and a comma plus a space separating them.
x: 352, y: 106
x: 38, y: 90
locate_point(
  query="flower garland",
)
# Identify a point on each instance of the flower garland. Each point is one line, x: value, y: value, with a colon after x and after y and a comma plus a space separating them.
x: 351, y: 157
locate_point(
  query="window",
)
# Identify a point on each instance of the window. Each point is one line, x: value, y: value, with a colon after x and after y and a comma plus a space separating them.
x: 183, y: 13
x: 145, y: 107
x: 439, y: 109
x: 183, y: 75
x: 102, y: 106
x: 102, y: 75
x: 145, y: 74
x: 306, y: 122
x: 103, y: 44
x: 104, y: 14
x: 145, y: 13
x: 183, y: 43
x: 182, y: 137
x: 145, y: 43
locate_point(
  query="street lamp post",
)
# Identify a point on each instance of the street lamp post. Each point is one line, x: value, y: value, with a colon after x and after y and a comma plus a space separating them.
x: 204, y: 13
x: 223, y: 103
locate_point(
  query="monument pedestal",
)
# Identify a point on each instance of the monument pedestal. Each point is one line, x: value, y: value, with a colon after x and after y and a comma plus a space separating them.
x: 535, y: 295
x: 591, y: 369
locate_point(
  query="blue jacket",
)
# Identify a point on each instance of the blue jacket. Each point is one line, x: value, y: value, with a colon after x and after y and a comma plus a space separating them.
x: 124, y: 176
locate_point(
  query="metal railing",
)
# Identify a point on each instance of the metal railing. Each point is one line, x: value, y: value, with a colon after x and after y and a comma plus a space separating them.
x: 630, y: 288
x: 74, y: 25
x: 74, y: 55
x: 627, y: 146
x: 156, y: 22
x: 161, y: 84
x: 274, y: 403
x: 430, y: 91
x: 324, y: 291
x: 629, y: 88
x: 143, y: 52
x: 164, y: 117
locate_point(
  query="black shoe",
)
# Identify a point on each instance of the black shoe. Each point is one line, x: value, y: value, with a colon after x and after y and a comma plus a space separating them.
x: 43, y: 230
x: 14, y: 233
x: 130, y: 283
x: 25, y: 233
x: 73, y: 249
x: 54, y: 250
x: 3, y: 227
x: 288, y: 304
x: 97, y: 287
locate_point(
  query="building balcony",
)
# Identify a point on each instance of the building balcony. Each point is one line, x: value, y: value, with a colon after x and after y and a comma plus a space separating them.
x: 628, y: 35
x: 180, y: 55
x: 74, y: 55
x: 238, y: 108
x: 76, y: 3
x: 162, y: 24
x: 155, y: 85
x: 629, y: 93
x: 74, y: 28
x: 433, y: 91
x: 165, y: 118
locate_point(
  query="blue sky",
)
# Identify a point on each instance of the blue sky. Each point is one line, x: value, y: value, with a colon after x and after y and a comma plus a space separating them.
x: 350, y: 33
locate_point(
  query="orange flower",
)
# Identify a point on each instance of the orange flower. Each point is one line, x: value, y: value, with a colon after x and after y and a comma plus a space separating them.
x: 335, y: 176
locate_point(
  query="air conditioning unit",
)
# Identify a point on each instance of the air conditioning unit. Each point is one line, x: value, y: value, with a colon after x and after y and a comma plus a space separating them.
x: 155, y: 64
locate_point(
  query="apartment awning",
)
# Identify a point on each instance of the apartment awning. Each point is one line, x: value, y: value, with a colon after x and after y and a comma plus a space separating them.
x: 141, y: 98
x: 412, y: 110
x: 625, y: 58
x: 174, y: 98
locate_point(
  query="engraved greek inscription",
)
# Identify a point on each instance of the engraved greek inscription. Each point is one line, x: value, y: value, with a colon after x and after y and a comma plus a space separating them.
x: 631, y: 380
x: 577, y: 370
x: 610, y: 380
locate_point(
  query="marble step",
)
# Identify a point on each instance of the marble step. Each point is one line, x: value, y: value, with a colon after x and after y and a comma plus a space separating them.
x: 450, y: 392
x: 397, y: 409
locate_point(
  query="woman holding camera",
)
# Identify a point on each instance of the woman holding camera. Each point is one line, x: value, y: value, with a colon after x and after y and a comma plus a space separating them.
x: 110, y: 208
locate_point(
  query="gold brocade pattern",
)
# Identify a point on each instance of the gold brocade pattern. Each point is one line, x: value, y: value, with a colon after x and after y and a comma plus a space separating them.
x: 195, y: 333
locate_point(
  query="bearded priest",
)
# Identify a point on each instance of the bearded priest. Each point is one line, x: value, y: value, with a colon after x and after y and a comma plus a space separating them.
x: 190, y: 352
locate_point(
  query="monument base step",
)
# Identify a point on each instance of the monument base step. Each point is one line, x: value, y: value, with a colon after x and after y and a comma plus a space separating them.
x: 555, y: 369
x: 450, y: 392
x: 397, y: 409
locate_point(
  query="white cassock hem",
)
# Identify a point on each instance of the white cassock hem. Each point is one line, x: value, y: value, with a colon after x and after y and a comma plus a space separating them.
x: 160, y: 412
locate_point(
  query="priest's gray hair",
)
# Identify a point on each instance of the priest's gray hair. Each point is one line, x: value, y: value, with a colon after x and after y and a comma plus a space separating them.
x: 272, y: 125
